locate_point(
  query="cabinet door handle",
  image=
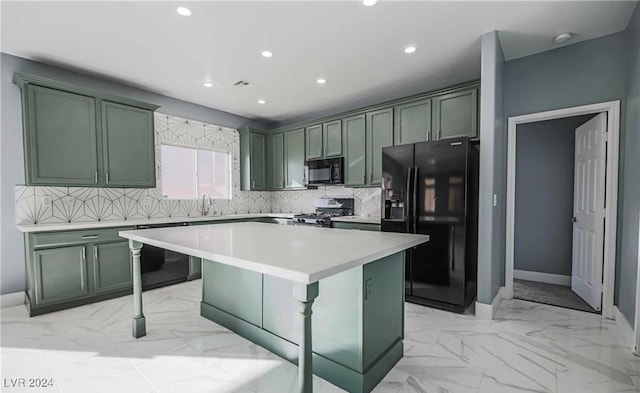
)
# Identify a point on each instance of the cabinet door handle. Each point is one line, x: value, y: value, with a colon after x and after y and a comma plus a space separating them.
x: 95, y: 253
x: 364, y: 178
x: 107, y: 176
x: 85, y: 237
x: 439, y: 133
x: 320, y: 152
x: 84, y: 255
x: 253, y: 184
x: 96, y: 177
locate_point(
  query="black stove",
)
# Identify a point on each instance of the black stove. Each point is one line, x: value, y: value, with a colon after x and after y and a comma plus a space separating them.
x: 325, y: 209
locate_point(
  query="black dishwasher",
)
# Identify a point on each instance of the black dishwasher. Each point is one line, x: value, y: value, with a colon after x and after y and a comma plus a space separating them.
x: 162, y: 267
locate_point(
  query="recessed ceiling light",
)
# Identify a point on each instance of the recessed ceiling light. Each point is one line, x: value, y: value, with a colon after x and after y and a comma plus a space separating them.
x: 266, y: 53
x: 184, y: 11
x: 321, y: 81
x: 409, y: 49
x: 208, y: 84
x: 262, y: 102
x: 369, y: 3
x: 564, y: 37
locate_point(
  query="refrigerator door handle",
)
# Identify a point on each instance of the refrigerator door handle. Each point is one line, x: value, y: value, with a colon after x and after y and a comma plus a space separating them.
x: 452, y: 242
x: 407, y: 205
x: 415, y: 199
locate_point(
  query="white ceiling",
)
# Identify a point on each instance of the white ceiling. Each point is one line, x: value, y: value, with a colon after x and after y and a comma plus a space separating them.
x: 358, y: 49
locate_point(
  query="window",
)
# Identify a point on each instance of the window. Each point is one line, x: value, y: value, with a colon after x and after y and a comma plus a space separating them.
x: 188, y: 173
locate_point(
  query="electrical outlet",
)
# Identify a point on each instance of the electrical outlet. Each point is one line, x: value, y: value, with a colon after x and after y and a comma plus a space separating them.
x: 68, y: 201
x: 45, y: 201
x: 145, y: 201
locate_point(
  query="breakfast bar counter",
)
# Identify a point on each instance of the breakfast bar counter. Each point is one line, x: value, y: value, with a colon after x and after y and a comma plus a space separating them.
x: 260, y: 280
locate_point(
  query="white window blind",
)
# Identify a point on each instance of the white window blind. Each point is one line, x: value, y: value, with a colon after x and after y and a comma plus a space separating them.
x: 188, y: 173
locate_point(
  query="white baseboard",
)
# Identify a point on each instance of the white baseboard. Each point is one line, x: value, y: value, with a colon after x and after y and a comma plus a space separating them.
x: 488, y: 311
x: 549, y: 278
x: 625, y: 327
x: 11, y: 299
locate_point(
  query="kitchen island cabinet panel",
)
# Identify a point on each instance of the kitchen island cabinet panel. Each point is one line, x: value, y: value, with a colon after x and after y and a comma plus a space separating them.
x: 236, y: 291
x: 357, y: 317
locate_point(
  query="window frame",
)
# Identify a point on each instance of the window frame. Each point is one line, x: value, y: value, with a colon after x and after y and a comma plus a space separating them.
x: 195, y: 165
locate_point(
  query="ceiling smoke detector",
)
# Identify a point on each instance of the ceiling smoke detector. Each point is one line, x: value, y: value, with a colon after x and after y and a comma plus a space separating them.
x: 562, y: 38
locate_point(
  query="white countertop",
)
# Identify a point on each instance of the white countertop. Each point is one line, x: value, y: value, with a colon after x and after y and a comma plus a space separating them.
x: 303, y: 254
x: 123, y: 223
x: 358, y: 219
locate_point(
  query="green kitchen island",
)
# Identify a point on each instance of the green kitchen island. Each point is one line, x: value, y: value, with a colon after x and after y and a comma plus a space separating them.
x: 263, y: 280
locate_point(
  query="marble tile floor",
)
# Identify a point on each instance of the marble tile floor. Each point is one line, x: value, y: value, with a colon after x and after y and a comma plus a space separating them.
x: 529, y: 347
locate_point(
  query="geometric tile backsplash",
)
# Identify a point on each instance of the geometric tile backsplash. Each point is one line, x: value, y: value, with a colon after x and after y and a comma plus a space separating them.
x: 85, y: 204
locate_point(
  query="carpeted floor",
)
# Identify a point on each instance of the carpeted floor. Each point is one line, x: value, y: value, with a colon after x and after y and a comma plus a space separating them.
x: 556, y: 295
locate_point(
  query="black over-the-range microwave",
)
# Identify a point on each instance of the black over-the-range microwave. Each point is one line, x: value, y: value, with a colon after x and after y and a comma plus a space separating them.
x: 323, y: 171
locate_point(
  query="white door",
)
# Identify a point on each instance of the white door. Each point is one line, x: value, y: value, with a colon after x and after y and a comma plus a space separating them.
x: 588, y: 208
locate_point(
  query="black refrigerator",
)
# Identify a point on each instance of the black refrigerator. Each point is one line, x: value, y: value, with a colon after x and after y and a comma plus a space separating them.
x: 431, y: 188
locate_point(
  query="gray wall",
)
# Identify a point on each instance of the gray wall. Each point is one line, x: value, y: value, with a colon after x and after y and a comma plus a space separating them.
x: 491, y: 239
x: 585, y: 73
x: 543, y: 231
x: 630, y: 178
x: 11, y: 149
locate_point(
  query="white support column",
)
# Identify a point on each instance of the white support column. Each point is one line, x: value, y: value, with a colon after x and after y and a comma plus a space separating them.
x: 139, y: 324
x: 305, y: 294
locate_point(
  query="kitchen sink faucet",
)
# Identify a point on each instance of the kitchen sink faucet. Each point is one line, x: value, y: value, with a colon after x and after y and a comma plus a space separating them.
x: 205, y: 207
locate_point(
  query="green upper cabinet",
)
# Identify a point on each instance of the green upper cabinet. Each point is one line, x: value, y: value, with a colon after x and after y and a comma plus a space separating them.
x: 314, y: 142
x: 355, y: 151
x: 60, y: 137
x: 80, y: 137
x: 277, y: 161
x: 456, y: 114
x: 128, y: 145
x: 332, y: 138
x: 253, y: 159
x: 324, y: 140
x: 258, y: 161
x: 294, y: 148
x: 379, y: 135
x: 413, y: 122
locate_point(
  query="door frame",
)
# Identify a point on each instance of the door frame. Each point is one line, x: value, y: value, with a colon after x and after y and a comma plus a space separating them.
x: 612, y: 108
x: 636, y: 325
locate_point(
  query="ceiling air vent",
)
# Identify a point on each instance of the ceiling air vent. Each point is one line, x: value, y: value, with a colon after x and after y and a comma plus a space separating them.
x: 242, y: 83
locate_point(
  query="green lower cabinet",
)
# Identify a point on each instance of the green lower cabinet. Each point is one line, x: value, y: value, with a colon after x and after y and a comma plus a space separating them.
x: 355, y: 225
x: 60, y: 274
x: 70, y: 268
x: 111, y: 267
x: 357, y: 320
